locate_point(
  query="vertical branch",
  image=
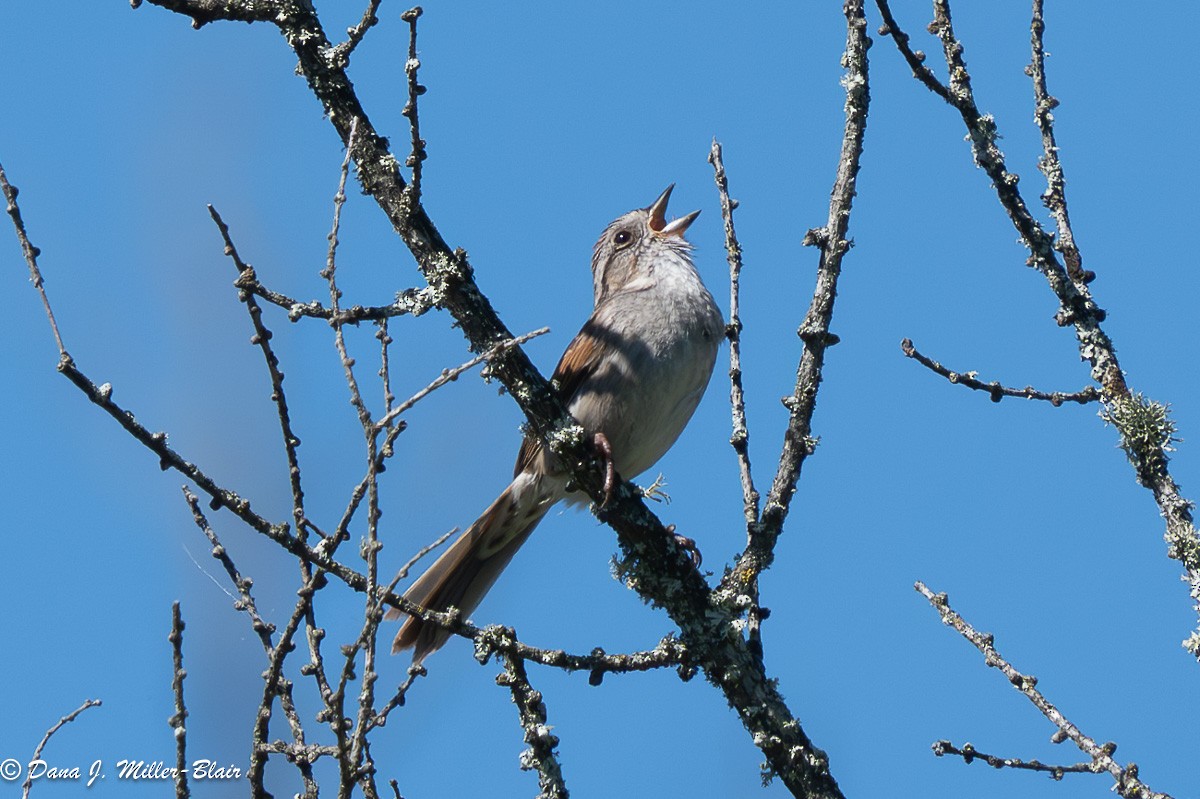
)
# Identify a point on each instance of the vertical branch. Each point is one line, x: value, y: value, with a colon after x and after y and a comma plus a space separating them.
x: 357, y: 768
x: 385, y: 373
x: 415, y: 90
x: 831, y: 240
x: 179, y: 719
x: 335, y: 295
x: 532, y: 712
x: 1055, y: 196
x: 740, y: 438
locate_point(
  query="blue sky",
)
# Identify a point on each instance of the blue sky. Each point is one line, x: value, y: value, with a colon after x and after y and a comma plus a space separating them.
x: 544, y: 124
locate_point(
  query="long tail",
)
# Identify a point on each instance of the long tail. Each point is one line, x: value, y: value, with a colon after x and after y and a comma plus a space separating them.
x: 467, y: 570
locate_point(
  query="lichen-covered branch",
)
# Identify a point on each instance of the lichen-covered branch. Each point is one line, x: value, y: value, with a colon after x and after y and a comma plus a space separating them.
x: 1069, y: 282
x: 531, y: 711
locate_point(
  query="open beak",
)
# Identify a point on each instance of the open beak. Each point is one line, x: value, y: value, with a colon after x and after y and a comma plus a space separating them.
x: 658, y: 216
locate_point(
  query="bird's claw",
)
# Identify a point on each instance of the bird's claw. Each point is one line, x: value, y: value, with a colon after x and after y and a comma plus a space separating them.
x: 688, y: 545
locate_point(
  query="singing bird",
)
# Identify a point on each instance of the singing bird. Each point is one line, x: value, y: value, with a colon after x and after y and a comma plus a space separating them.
x: 632, y: 377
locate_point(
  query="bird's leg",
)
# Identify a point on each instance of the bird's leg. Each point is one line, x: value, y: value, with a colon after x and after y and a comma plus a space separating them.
x: 610, y: 471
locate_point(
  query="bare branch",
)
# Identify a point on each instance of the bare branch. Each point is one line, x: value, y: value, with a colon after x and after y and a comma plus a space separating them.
x: 385, y: 373
x: 417, y: 155
x: 1055, y: 196
x: 670, y: 652
x: 262, y: 338
x: 741, y: 580
x: 915, y: 59
x: 355, y: 35
x: 814, y: 330
x: 62, y: 722
x: 1127, y: 783
x: 245, y: 602
x: 740, y: 439
x: 335, y: 294
x: 996, y: 391
x: 31, y: 254
x: 275, y: 685
x: 450, y: 375
x: 264, y: 630
x: 178, y: 721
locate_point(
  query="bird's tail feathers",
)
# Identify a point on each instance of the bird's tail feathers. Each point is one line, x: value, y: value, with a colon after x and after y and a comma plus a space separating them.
x: 467, y: 570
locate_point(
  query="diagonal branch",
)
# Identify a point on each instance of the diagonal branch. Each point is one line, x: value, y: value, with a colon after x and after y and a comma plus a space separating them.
x: 661, y: 569
x: 1127, y: 783
x: 262, y: 338
x: 37, y: 752
x: 1123, y: 408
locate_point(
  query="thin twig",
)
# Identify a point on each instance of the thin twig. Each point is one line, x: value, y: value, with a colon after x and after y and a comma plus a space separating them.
x: 1127, y: 783
x: 417, y: 154
x: 262, y: 628
x: 915, y: 58
x: 262, y: 338
x: 385, y: 373
x: 740, y: 439
x: 996, y: 391
x: 1055, y: 196
x: 245, y: 602
x: 275, y: 685
x: 31, y: 254
x: 970, y: 754
x: 388, y: 423
x: 355, y: 35
x: 670, y: 653
x: 410, y: 301
x: 531, y: 711
x: 450, y: 375
x: 178, y: 721
x: 397, y: 698
x: 37, y: 752
x: 335, y: 294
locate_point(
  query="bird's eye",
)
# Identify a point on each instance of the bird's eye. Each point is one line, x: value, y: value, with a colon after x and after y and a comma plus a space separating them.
x: 622, y: 238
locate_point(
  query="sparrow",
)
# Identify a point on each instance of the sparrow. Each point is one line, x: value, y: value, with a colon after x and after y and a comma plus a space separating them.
x: 632, y: 378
